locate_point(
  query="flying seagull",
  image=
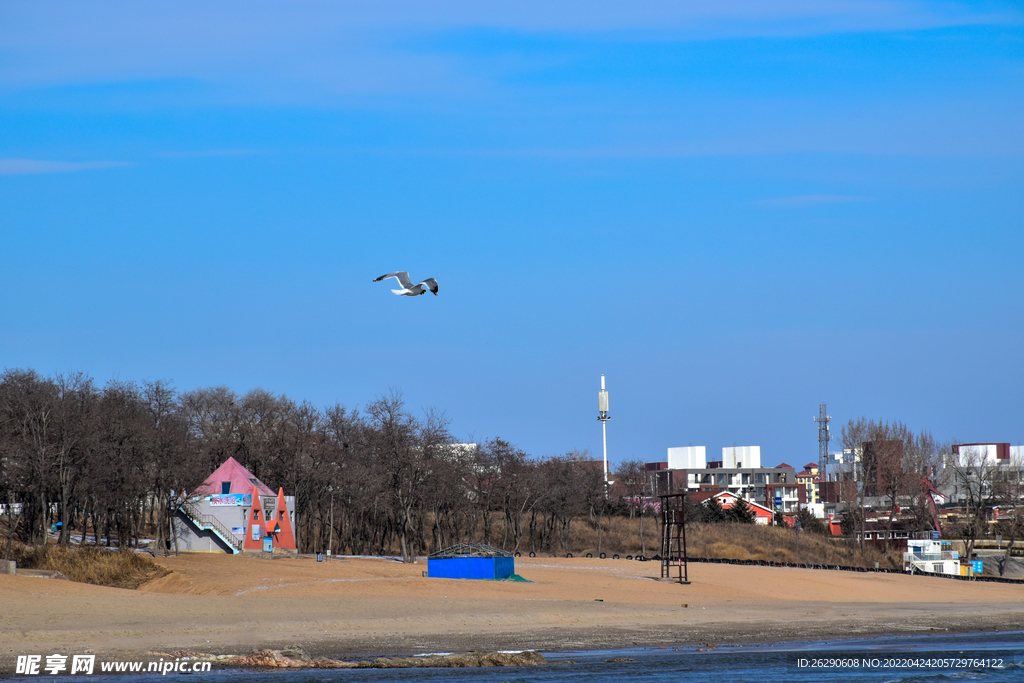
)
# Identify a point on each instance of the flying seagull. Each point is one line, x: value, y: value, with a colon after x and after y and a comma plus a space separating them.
x: 408, y: 288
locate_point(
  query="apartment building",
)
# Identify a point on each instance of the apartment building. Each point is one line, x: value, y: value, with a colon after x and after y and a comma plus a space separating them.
x: 739, y: 472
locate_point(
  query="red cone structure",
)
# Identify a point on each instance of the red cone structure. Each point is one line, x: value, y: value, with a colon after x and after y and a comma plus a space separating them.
x: 255, y: 521
x: 281, y: 526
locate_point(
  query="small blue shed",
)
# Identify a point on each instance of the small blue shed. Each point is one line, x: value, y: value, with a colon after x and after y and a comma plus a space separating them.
x: 471, y: 561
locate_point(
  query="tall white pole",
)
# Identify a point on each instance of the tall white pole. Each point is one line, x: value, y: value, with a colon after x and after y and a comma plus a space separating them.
x: 604, y: 433
x: 602, y: 415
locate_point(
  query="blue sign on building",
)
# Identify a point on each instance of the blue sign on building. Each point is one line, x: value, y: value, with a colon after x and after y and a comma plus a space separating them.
x: 978, y: 566
x: 232, y: 499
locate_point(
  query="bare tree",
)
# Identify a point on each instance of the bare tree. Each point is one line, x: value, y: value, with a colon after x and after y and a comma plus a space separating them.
x: 973, y: 477
x: 561, y: 498
x: 358, y: 484
x: 74, y: 409
x: 487, y: 483
x: 449, y: 493
x: 1011, y: 492
x: 403, y: 448
x: 503, y: 480
x: 854, y: 434
x: 213, y: 419
x: 27, y: 402
x: 893, y: 460
x: 175, y: 462
x: 118, y: 467
x: 633, y: 477
x: 261, y: 419
x: 595, y: 500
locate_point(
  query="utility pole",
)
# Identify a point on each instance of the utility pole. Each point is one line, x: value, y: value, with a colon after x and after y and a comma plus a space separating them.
x: 602, y: 415
x: 330, y: 536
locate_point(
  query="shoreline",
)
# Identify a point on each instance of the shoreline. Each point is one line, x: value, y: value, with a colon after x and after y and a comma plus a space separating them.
x: 568, y: 640
x: 296, y: 657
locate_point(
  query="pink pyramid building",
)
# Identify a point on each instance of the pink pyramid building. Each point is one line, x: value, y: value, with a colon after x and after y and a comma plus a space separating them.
x: 232, y: 511
x: 232, y: 478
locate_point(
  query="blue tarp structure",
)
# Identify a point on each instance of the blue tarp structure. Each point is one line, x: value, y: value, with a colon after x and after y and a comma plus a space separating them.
x: 471, y: 561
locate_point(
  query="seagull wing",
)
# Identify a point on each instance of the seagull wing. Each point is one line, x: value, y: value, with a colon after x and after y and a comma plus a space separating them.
x: 401, y: 276
x: 431, y: 284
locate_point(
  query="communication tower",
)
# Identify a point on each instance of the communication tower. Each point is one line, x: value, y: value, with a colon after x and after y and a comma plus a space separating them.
x: 602, y: 415
x: 823, y: 439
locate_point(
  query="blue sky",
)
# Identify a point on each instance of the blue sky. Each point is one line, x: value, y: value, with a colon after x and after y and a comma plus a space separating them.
x: 734, y: 210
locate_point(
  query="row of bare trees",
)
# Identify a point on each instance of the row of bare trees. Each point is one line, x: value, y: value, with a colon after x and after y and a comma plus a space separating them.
x: 893, y: 463
x: 900, y: 467
x: 116, y: 459
x: 106, y: 458
x: 982, y: 484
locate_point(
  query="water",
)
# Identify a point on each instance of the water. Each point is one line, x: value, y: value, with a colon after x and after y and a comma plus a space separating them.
x: 994, y: 657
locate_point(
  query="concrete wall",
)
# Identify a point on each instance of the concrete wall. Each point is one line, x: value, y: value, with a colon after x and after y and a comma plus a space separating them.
x: 193, y: 539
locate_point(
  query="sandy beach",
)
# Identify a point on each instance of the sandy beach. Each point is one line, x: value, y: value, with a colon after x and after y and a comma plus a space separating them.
x: 360, y: 606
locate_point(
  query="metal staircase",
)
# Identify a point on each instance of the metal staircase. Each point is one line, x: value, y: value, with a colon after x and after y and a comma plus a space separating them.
x: 211, y: 523
x: 928, y: 563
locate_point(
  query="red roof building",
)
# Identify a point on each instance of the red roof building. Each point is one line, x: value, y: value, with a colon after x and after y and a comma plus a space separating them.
x: 726, y: 499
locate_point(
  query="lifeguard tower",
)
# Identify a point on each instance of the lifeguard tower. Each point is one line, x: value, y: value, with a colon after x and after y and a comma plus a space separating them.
x: 673, y: 538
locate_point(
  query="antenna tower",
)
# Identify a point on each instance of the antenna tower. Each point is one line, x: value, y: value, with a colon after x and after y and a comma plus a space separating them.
x: 602, y: 415
x: 823, y: 439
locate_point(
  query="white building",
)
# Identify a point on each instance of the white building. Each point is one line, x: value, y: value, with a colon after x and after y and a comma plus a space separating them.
x: 981, y: 454
x: 739, y: 472
x: 688, y: 458
x: 738, y: 457
x: 931, y: 557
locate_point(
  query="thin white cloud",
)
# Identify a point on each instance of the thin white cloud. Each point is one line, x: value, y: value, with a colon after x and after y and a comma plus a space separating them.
x: 37, y: 166
x: 318, y: 50
x: 814, y: 200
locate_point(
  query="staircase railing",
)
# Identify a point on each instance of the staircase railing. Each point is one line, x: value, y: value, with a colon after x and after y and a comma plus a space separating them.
x: 212, y: 523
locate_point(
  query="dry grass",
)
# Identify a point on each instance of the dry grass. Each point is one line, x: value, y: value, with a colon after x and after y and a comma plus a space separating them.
x: 776, y: 544
x: 622, y: 536
x: 118, y: 569
x: 719, y: 541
